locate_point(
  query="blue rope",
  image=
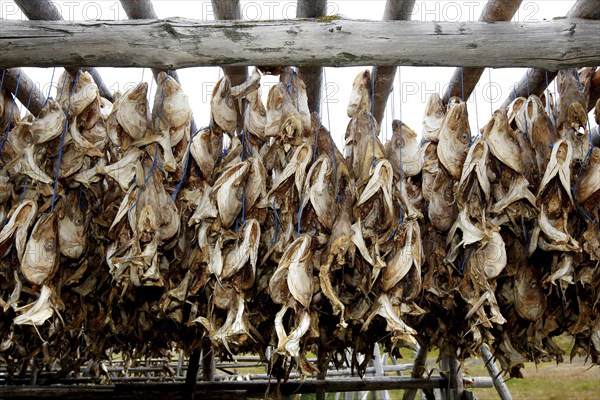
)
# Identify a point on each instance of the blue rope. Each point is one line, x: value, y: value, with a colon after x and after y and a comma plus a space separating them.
x: 24, y: 189
x: 62, y: 140
x: 185, y: 168
x: 527, y: 78
x: 63, y: 86
x: 29, y: 98
x: 49, y: 89
x: 10, y: 115
x: 468, y: 255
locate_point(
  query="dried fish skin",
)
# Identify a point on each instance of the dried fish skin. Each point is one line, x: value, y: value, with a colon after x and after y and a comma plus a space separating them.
x: 360, y: 97
x: 404, y: 150
x: 363, y: 146
x: 407, y: 255
x: 174, y: 110
x: 125, y: 170
x: 559, y: 164
x: 256, y: 115
x: 443, y: 208
x: 283, y: 119
x: 132, y: 111
x: 40, y: 259
x: 295, y: 265
x: 589, y: 182
x: 454, y: 138
x: 503, y: 142
x: 430, y: 169
x: 39, y: 312
x: 319, y: 187
x: 222, y: 106
x: 228, y: 191
x: 475, y: 171
x: 72, y: 229
x: 295, y: 167
x: 381, y: 180
x: 49, y: 124
x: 530, y: 301
x: 19, y: 221
x: 242, y: 253
x: 433, y: 118
x: 86, y: 91
x: 297, y: 91
x: 491, y: 256
x: 206, y: 148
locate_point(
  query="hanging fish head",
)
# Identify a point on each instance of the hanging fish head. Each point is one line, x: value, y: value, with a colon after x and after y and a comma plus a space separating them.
x: 40, y: 260
x: 360, y: 96
x: 132, y: 112
x: 403, y: 150
x: 454, y: 138
x: 283, y: 119
x: 503, y: 141
x: 222, y: 106
x: 433, y: 118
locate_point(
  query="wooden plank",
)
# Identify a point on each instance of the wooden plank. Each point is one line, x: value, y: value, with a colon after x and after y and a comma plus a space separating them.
x: 45, y: 10
x: 383, y: 76
x: 312, y: 76
x: 28, y: 92
x: 534, y: 80
x: 143, y: 9
x: 180, y: 43
x: 494, y: 10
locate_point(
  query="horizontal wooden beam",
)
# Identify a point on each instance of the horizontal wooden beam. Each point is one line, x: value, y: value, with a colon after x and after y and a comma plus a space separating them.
x: 28, y: 93
x: 180, y: 43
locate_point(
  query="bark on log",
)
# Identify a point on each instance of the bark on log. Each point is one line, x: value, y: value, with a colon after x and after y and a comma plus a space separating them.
x: 180, y: 43
x: 312, y: 76
x: 45, y: 10
x: 534, y: 80
x: 28, y: 92
x: 383, y: 76
x: 418, y: 370
x: 494, y: 10
x: 143, y: 9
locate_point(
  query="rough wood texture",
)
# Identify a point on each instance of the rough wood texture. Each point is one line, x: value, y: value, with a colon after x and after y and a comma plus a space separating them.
x: 45, y: 10
x: 383, y: 76
x: 143, y: 9
x: 180, y: 43
x: 534, y: 80
x: 312, y: 76
x: 494, y: 372
x: 230, y: 10
x: 28, y: 92
x: 418, y: 370
x: 494, y: 10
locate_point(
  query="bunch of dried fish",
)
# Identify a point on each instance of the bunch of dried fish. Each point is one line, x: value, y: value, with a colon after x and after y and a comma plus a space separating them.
x: 254, y: 231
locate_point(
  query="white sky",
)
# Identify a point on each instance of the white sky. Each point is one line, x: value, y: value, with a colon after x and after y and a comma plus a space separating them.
x: 410, y: 94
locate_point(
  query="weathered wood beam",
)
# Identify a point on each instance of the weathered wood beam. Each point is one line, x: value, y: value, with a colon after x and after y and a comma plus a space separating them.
x: 494, y: 372
x: 418, y: 370
x: 143, y: 9
x: 28, y: 94
x: 383, y: 76
x: 534, y: 80
x: 45, y: 10
x: 312, y: 76
x: 180, y: 43
x: 494, y: 10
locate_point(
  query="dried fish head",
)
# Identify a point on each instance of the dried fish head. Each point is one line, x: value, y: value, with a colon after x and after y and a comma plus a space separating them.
x: 573, y: 105
x: 175, y: 108
x: 404, y: 150
x: 360, y: 97
x: 442, y: 209
x: 105, y: 108
x: 86, y: 91
x: 39, y: 312
x: 222, y: 106
x: 530, y: 301
x: 319, y: 187
x: 454, y: 138
x: 17, y: 227
x: 559, y: 164
x: 71, y: 228
x: 228, y: 191
x: 132, y: 111
x: 243, y: 253
x: 491, y: 257
x: 589, y: 182
x: 503, y: 142
x: 256, y: 115
x: 430, y: 168
x: 408, y: 254
x: 295, y: 167
x: 433, y: 118
x: 475, y: 172
x: 40, y: 260
x: 283, y: 119
x: 362, y: 142
x: 206, y: 148
x: 50, y: 123
x: 296, y: 260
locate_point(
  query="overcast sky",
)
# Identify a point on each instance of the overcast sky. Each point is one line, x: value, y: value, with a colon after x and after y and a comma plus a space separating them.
x: 411, y: 88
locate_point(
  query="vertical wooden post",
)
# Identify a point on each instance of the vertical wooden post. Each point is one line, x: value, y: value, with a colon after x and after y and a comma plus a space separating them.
x: 208, y: 361
x: 322, y: 364
x: 418, y: 369
x: 192, y: 375
x: 494, y: 372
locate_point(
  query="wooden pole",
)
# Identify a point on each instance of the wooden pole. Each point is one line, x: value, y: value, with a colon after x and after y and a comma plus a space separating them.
x: 383, y: 76
x: 143, y: 9
x: 191, y: 377
x: 534, y: 80
x: 312, y: 76
x: 45, y: 10
x: 494, y: 372
x: 418, y: 370
x: 28, y: 94
x: 494, y: 10
x: 179, y: 43
x: 208, y: 361
x: 322, y: 364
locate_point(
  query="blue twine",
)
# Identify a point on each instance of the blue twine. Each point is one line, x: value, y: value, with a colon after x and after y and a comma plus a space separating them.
x: 276, y: 218
x: 63, y: 86
x: 29, y: 98
x: 462, y: 266
x: 24, y: 189
x: 185, y: 168
x: 62, y: 140
x: 10, y: 115
x: 49, y: 89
